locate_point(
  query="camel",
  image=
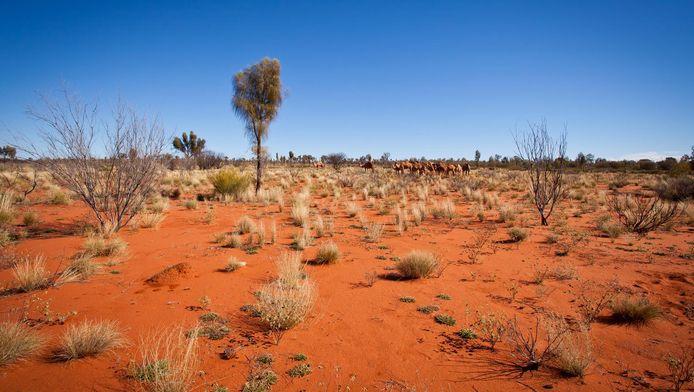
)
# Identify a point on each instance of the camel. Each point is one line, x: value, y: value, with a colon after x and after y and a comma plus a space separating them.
x: 319, y: 165
x: 466, y: 168
x: 368, y: 166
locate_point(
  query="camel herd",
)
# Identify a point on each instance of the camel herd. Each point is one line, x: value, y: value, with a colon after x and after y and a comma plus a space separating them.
x: 431, y: 167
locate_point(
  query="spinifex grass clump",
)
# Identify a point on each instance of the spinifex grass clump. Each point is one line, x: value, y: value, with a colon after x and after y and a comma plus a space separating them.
x: 417, y: 264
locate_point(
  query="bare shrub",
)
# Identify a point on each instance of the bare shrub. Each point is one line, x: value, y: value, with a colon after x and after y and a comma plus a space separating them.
x: 480, y: 239
x: 116, y: 186
x: 491, y: 327
x: 642, y: 214
x: 168, y: 361
x: 544, y: 159
x: 681, y: 368
x: 540, y: 344
x: 17, y: 341
x: 88, y: 338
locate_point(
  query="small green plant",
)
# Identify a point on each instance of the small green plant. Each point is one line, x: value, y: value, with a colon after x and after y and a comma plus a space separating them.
x: 443, y: 296
x: 444, y: 319
x: 428, y: 309
x: 300, y: 370
x: 299, y: 357
x: 407, y: 299
x: 467, y: 334
x: 230, y: 182
x: 516, y: 234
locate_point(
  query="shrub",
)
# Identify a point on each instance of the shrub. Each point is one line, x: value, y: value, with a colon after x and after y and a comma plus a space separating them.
x: 261, y: 377
x: 417, y: 264
x: 302, y: 239
x: 234, y: 241
x: 676, y: 189
x: 81, y: 266
x: 88, y: 338
x: 574, y: 354
x: 374, y: 231
x: 30, y: 274
x: 467, y: 334
x: 230, y: 182
x: 516, y: 234
x: 233, y: 264
x: 150, y: 219
x: 352, y: 209
x: 428, y: 309
x: 539, y: 345
x: 30, y: 219
x: 642, y: 214
x: 444, y: 319
x: 17, y: 341
x: 190, y: 204
x: 629, y: 310
x: 443, y: 209
x: 98, y: 246
x: 491, y: 327
x: 300, y: 370
x: 328, y: 253
x: 506, y: 213
x: 284, y: 303
x: 300, y: 214
x: 57, y: 196
x: 681, y: 368
x: 168, y: 361
x: 246, y: 225
x: 407, y: 299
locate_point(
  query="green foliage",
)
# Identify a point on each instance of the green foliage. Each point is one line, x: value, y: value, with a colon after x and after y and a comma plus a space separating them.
x: 190, y: 146
x: 444, y: 319
x: 230, y: 182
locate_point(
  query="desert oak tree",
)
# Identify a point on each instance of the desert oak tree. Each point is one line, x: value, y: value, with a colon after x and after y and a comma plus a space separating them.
x: 257, y: 98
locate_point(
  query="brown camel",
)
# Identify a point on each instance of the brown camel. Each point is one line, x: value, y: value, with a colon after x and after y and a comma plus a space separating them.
x: 368, y: 166
x: 466, y: 168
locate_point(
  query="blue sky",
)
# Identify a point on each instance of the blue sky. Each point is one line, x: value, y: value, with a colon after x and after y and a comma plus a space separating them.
x: 431, y: 78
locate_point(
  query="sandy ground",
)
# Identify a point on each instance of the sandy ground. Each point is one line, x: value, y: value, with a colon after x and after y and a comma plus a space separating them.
x: 358, y: 336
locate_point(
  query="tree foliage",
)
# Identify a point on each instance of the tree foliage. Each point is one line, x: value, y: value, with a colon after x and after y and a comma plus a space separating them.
x: 190, y: 146
x: 257, y: 98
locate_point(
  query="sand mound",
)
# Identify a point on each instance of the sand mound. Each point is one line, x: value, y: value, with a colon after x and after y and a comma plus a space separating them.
x: 170, y: 274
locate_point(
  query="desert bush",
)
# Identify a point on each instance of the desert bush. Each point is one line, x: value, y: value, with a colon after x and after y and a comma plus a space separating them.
x: 328, y: 253
x: 516, y: 234
x: 352, y: 209
x: 302, y: 239
x: 629, y: 310
x: 676, y: 189
x: 443, y: 209
x: 98, y: 246
x: 641, y: 214
x: 230, y: 182
x: 444, y: 319
x: 30, y: 274
x: 300, y: 214
x: 284, y: 303
x: 417, y: 264
x: 408, y: 299
x: 245, y: 225
x: 428, y: 309
x: 88, y: 338
x: 81, y: 266
x: 261, y: 378
x: 30, y: 219
x: 374, y: 231
x: 6, y: 208
x: 541, y: 343
x: 234, y: 241
x: 150, y: 219
x: 574, y: 354
x: 190, y: 204
x: 17, y: 341
x: 233, y: 264
x: 506, y: 213
x: 57, y: 196
x: 115, y: 189
x: 168, y: 361
x: 491, y: 327
x: 681, y: 368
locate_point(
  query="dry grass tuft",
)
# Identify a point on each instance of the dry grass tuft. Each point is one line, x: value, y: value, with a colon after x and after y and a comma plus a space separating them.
x: 17, y: 341
x: 629, y: 310
x: 418, y: 264
x: 88, y: 338
x: 168, y: 361
x: 328, y: 253
x: 30, y: 274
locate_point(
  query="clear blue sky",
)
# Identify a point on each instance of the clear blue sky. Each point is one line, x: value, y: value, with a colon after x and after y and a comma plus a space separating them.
x: 432, y: 78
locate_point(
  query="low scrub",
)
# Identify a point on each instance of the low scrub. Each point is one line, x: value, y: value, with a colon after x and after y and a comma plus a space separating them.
x: 230, y: 182
x: 168, y: 361
x: 638, y: 311
x: 88, y: 338
x: 417, y: 264
x: 17, y: 341
x: 642, y: 214
x: 676, y: 189
x: 328, y: 253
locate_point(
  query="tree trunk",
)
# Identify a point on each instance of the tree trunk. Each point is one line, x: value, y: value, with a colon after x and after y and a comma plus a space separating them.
x: 544, y: 220
x: 258, y: 169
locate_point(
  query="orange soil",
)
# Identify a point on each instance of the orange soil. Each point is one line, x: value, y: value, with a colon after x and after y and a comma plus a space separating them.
x: 357, y: 336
